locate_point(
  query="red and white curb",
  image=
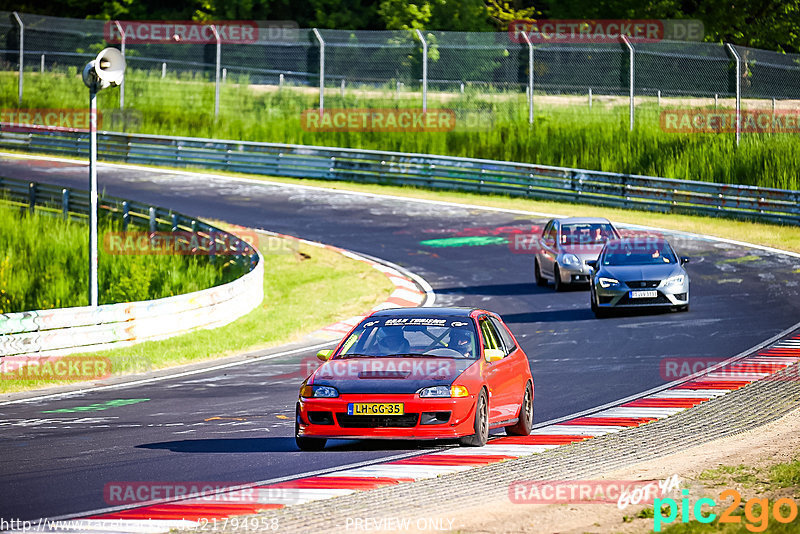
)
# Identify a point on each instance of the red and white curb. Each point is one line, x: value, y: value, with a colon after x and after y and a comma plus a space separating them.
x: 205, y: 511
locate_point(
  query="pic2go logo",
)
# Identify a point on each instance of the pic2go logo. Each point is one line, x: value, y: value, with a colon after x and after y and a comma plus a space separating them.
x: 756, y: 511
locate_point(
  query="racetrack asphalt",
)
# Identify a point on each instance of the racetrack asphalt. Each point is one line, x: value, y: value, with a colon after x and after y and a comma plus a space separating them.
x: 236, y: 425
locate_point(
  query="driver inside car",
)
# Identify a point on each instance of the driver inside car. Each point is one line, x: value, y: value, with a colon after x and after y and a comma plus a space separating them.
x: 393, y: 343
x: 461, y: 340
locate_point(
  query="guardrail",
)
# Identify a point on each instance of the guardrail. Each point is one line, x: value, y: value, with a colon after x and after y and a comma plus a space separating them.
x: 63, y: 331
x: 421, y: 170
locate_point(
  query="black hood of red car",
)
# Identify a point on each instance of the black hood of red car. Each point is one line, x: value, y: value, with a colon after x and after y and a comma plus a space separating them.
x: 401, y: 375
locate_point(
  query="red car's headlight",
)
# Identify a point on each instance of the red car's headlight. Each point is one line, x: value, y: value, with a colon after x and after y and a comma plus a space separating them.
x: 318, y: 392
x: 443, y: 392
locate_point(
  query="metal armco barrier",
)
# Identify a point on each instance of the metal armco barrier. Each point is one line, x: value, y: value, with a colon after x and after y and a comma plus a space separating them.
x: 63, y: 331
x: 422, y: 170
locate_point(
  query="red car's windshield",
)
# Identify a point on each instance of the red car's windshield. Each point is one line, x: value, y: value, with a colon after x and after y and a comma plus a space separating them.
x: 409, y: 336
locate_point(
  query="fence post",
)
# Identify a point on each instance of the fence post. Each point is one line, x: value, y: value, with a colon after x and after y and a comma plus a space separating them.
x: 216, y: 69
x: 21, y: 51
x: 126, y: 215
x: 65, y: 203
x: 530, y: 76
x: 122, y: 49
x: 153, y: 223
x: 424, y: 71
x: 631, y: 75
x: 163, y: 70
x: 41, y: 67
x: 321, y: 70
x: 31, y: 196
x: 738, y: 90
x: 590, y: 98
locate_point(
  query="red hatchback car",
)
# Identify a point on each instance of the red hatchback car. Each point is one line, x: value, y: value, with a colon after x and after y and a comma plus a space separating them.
x: 418, y: 373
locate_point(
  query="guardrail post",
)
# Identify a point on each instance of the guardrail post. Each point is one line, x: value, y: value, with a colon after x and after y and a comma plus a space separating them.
x: 31, y: 196
x: 738, y: 90
x: 631, y: 75
x: 212, y: 245
x: 122, y: 49
x: 216, y: 69
x: 41, y: 66
x: 126, y: 216
x: 530, y: 77
x: 153, y: 223
x: 174, y: 222
x: 65, y: 203
x: 21, y: 51
x: 424, y: 71
x: 321, y: 69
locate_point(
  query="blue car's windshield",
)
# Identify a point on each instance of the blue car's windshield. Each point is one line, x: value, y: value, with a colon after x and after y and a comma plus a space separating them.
x: 625, y: 253
x: 410, y: 336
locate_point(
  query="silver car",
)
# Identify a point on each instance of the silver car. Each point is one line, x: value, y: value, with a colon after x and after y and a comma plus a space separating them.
x: 566, y: 245
x: 637, y: 272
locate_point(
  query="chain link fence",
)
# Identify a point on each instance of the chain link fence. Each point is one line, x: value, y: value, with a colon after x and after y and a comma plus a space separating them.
x: 388, y: 69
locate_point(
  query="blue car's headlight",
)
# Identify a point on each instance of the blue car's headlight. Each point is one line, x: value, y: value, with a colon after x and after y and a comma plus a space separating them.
x: 675, y: 280
x: 318, y: 392
x: 605, y: 283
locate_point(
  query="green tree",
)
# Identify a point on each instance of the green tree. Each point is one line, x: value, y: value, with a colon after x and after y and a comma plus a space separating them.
x: 467, y: 15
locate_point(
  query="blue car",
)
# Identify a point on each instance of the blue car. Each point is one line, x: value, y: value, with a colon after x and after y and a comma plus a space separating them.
x: 638, y: 272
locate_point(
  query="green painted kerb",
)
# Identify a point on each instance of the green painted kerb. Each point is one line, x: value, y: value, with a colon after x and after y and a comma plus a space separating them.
x: 474, y: 241
x: 98, y: 407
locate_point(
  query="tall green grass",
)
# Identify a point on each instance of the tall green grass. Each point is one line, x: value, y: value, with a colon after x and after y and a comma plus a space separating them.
x: 570, y: 136
x: 44, y: 264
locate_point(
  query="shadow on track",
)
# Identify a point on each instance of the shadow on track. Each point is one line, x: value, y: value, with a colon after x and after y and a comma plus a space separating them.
x: 247, y: 445
x: 492, y: 290
x: 550, y: 316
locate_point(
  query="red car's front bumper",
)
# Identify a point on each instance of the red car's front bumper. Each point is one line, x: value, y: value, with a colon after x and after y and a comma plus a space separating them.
x: 327, y: 418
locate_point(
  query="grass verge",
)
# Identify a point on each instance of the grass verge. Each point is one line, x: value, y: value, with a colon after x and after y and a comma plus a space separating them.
x: 569, y: 135
x: 304, y: 290
x: 761, y: 489
x: 57, y: 250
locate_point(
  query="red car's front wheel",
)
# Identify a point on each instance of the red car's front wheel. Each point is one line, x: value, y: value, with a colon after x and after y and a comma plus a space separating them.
x: 481, y: 435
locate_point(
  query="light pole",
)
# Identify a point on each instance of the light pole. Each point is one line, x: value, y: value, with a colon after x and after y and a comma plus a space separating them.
x: 106, y: 70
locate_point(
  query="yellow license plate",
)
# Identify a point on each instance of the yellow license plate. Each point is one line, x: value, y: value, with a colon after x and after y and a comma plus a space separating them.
x: 375, y: 408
